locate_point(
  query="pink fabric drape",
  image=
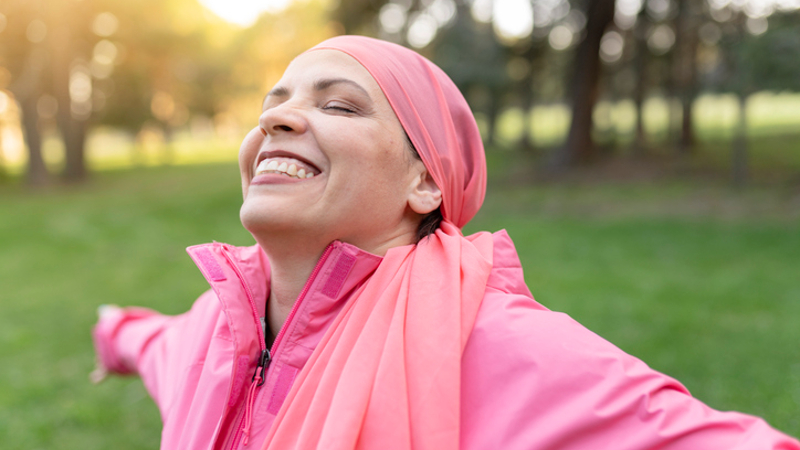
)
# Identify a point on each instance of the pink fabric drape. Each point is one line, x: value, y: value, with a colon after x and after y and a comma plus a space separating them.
x: 387, y: 374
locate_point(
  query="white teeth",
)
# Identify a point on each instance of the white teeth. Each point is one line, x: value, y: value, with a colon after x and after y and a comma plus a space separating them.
x: 285, y: 168
x: 262, y: 166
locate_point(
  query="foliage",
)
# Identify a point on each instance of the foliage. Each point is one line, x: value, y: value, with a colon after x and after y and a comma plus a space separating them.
x: 771, y: 61
x: 768, y: 61
x: 146, y: 64
x: 472, y: 56
x: 176, y: 65
x: 166, y: 48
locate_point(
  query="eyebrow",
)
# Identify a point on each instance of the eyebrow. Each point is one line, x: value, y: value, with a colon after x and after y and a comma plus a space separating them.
x: 319, y: 85
x: 279, y: 91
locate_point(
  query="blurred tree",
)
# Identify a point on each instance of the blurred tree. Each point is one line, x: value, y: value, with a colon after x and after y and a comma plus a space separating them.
x: 769, y: 61
x: 123, y: 64
x: 71, y: 44
x: 519, y: 69
x: 579, y: 146
x: 188, y: 63
x: 47, y: 50
x: 471, y: 55
x: 160, y: 62
x: 360, y: 16
x: 684, y: 60
x: 640, y: 62
x: 27, y: 60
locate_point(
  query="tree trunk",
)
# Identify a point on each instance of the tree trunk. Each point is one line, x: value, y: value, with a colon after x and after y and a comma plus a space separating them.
x: 28, y: 89
x: 685, y: 58
x: 579, y: 146
x: 492, y: 112
x: 73, y: 128
x: 74, y: 135
x: 527, y: 114
x: 37, y: 174
x: 640, y: 139
x: 686, y: 141
x: 739, y: 151
x: 526, y: 91
x: 640, y: 65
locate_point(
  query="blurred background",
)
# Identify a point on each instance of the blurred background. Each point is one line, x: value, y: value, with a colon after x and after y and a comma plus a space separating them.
x: 643, y: 154
x: 89, y: 85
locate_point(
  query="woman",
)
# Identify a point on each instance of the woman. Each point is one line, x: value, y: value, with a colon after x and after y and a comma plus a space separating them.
x: 364, y: 319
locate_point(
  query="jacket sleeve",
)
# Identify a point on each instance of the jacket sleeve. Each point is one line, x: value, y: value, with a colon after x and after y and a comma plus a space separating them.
x: 536, y: 379
x: 140, y: 341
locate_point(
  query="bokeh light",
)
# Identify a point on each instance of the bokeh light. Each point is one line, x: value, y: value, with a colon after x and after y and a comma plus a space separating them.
x: 105, y: 24
x: 392, y: 17
x: 611, y: 46
x: 244, y: 12
x: 560, y: 37
x: 513, y: 19
x: 422, y: 30
x: 36, y: 31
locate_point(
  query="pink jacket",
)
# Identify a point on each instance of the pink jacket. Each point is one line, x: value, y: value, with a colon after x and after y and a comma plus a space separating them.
x: 531, y: 378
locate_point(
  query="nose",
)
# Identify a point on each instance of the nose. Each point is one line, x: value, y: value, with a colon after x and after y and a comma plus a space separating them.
x: 283, y: 118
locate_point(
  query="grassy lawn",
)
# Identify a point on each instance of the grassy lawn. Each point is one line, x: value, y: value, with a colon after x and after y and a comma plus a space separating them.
x: 699, y: 281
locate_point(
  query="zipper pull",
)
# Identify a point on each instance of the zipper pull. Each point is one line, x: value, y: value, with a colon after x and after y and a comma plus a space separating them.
x: 261, y: 369
x: 258, y: 379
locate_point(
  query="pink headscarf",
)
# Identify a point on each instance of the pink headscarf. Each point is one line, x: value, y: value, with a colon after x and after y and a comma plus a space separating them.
x: 387, y: 374
x: 434, y: 114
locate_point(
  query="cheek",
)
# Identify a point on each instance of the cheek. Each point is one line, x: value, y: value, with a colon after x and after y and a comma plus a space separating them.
x: 249, y: 148
x: 247, y: 155
x: 248, y: 152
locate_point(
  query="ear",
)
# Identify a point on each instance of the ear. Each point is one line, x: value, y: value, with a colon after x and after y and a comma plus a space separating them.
x: 425, y: 196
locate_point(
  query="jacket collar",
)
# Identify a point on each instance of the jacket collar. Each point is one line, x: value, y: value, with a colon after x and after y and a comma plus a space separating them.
x: 343, y: 268
x: 240, y: 276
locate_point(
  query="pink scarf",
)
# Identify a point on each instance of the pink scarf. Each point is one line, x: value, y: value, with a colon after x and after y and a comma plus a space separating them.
x: 387, y: 373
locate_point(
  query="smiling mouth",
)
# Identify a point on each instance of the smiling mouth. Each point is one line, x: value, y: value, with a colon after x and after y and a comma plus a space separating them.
x: 289, y: 167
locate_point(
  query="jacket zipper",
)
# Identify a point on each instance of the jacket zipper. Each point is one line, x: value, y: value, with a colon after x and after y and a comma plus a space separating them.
x: 258, y: 379
x: 302, y: 295
x: 240, y: 429
x: 260, y: 375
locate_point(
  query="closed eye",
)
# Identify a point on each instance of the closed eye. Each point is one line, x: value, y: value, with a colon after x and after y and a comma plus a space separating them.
x: 339, y: 108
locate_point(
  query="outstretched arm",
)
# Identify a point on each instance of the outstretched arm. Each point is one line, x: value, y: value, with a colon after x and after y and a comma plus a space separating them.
x: 534, y: 378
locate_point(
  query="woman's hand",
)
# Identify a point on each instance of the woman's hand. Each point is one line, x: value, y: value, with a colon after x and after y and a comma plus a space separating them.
x: 100, y: 372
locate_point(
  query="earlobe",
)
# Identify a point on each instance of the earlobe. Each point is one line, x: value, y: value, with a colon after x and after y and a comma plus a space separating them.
x: 425, y: 195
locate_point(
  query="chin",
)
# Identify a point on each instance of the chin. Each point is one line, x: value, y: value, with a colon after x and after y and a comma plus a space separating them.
x: 260, y: 221
x: 256, y: 220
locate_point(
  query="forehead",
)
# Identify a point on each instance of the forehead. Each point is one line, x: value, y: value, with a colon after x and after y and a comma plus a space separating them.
x: 324, y: 63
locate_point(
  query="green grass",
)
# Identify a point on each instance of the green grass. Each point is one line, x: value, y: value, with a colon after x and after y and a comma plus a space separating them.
x: 120, y: 239
x: 699, y: 281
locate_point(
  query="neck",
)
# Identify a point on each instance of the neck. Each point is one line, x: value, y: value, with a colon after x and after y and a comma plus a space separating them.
x: 293, y: 258
x: 290, y: 269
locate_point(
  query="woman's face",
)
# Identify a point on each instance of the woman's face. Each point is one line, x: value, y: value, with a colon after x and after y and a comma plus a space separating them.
x: 329, y: 159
